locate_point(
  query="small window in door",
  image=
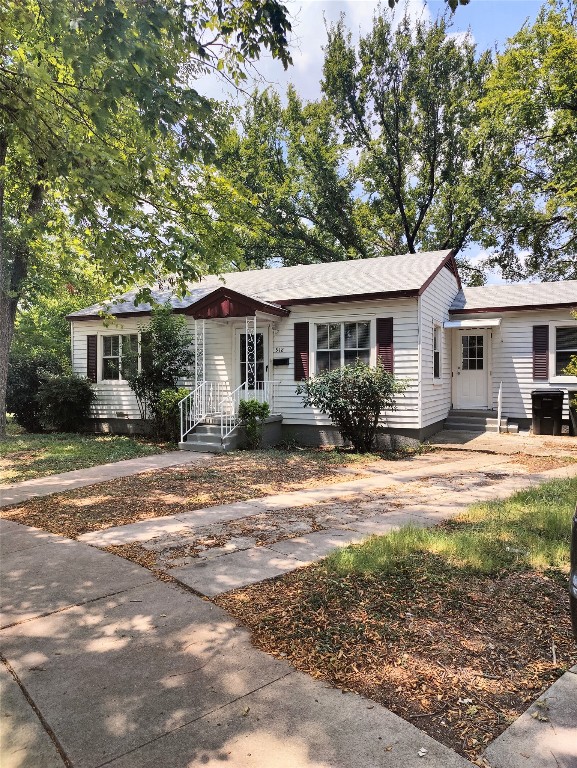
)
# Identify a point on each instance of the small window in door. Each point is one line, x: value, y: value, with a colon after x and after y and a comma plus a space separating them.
x: 255, y: 375
x: 472, y: 353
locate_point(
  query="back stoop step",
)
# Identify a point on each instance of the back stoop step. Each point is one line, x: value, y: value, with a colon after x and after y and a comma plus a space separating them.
x: 477, y: 421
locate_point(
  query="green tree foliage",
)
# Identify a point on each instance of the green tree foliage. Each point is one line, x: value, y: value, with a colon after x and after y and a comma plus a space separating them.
x: 104, y: 139
x: 166, y: 355
x: 453, y: 4
x: 293, y: 164
x: 354, y: 397
x: 532, y: 104
x: 390, y: 159
x: 406, y: 100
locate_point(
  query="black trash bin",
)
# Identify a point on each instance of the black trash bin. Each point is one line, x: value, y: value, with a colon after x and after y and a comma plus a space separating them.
x: 547, y: 411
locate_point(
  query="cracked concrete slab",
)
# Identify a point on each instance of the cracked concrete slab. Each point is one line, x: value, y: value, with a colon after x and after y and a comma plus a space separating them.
x: 545, y: 736
x: 231, y: 571
x: 116, y: 673
x: 296, y: 722
x: 316, y: 545
x: 24, y: 743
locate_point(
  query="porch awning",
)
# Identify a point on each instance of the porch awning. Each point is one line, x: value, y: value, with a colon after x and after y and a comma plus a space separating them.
x: 490, y: 322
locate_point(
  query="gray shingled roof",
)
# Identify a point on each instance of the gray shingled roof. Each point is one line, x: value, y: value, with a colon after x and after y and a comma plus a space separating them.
x: 408, y: 272
x: 524, y: 295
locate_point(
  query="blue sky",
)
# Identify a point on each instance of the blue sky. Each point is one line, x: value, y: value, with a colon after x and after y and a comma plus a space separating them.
x: 490, y: 22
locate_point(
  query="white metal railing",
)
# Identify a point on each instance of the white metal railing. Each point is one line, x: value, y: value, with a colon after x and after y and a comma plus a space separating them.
x: 264, y: 392
x: 203, y: 401
x: 499, y: 406
x: 213, y: 398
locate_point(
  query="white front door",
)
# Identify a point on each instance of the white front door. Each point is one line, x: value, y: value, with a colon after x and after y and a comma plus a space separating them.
x: 260, y: 372
x: 471, y: 369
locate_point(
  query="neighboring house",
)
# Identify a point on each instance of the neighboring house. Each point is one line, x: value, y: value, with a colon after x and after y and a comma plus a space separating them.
x: 259, y: 333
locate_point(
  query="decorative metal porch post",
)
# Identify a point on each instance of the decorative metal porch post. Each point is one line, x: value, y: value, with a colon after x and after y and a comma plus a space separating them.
x: 250, y: 354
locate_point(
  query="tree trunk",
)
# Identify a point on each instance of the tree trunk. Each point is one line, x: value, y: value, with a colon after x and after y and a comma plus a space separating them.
x: 8, y: 307
x: 13, y: 273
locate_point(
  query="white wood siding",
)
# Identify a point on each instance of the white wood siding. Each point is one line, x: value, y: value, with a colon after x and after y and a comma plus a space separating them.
x: 406, y: 356
x: 114, y: 398
x: 434, y: 308
x: 512, y: 359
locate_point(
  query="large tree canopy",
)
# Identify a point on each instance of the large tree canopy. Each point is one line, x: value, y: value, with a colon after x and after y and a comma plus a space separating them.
x: 104, y: 138
x: 390, y: 159
x: 532, y: 105
x: 292, y: 163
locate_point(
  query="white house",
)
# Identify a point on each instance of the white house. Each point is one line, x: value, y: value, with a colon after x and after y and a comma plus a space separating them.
x: 462, y: 351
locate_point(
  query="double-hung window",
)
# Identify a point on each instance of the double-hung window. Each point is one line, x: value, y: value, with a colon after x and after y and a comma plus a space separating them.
x: 339, y: 344
x: 119, y: 356
x: 565, y: 347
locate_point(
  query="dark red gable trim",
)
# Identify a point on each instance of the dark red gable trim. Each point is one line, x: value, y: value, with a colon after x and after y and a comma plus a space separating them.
x: 224, y: 302
x: 450, y: 262
x: 523, y: 308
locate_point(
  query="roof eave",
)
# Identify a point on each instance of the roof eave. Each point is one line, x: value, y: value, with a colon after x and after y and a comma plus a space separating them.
x: 519, y: 308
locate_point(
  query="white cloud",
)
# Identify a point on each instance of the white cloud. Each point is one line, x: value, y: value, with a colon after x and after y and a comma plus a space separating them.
x: 309, y: 19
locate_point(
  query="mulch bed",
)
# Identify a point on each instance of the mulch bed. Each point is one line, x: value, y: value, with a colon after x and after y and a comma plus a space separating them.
x: 459, y: 656
x: 222, y: 480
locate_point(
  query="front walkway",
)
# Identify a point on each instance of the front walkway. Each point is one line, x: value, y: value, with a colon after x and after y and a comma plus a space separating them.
x: 504, y: 443
x: 221, y: 548
x: 78, y: 478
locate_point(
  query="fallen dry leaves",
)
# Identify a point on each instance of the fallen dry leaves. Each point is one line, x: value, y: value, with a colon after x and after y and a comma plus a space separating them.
x: 221, y: 480
x: 460, y: 657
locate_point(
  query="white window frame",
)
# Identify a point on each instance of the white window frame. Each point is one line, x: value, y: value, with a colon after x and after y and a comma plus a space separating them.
x: 554, y: 378
x: 101, y: 337
x: 437, y: 333
x: 338, y: 321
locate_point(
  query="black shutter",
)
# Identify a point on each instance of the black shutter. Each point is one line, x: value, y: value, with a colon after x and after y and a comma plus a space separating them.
x: 385, y: 354
x: 301, y: 347
x: 92, y: 358
x: 540, y: 352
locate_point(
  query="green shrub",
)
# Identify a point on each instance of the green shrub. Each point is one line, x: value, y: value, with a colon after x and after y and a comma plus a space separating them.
x: 26, y: 372
x: 166, y: 356
x: 354, y: 397
x: 252, y: 414
x: 65, y: 402
x: 168, y: 413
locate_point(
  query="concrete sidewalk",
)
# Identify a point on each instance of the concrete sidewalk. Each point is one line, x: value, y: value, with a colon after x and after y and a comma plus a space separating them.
x: 77, y: 478
x: 109, y: 667
x: 221, y: 569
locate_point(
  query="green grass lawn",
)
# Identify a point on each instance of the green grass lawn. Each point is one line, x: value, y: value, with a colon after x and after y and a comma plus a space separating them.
x: 26, y: 456
x: 528, y: 530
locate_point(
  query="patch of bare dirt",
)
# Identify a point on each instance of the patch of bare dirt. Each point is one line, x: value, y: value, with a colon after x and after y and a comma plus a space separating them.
x: 541, y: 463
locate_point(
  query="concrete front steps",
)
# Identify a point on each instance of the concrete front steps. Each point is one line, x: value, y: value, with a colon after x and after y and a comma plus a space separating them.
x: 477, y: 421
x: 206, y: 439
